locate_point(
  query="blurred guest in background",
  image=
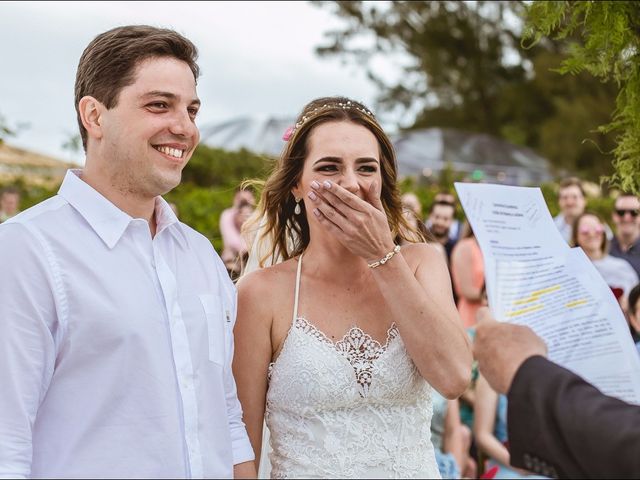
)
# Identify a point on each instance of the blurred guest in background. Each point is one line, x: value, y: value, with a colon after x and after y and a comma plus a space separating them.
x: 231, y: 221
x: 441, y: 217
x: 454, y: 228
x: 451, y: 439
x: 633, y: 314
x: 589, y: 234
x: 411, y: 201
x: 572, y: 202
x: 412, y: 212
x: 9, y: 203
x: 467, y: 272
x: 626, y: 242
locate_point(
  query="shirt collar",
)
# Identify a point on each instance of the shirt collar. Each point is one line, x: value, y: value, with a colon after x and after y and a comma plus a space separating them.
x: 107, y: 220
x: 166, y: 218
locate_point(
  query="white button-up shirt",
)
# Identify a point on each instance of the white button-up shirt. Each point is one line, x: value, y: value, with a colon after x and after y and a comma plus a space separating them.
x: 115, y: 347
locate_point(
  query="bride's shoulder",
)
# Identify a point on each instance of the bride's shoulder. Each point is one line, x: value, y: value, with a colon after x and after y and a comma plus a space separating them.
x: 267, y: 282
x: 417, y: 254
x: 423, y: 251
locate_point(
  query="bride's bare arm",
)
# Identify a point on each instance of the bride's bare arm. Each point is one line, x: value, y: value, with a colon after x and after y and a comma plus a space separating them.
x: 422, y: 307
x: 419, y: 296
x: 253, y: 351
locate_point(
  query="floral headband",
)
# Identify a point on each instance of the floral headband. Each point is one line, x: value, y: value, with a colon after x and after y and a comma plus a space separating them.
x: 348, y: 105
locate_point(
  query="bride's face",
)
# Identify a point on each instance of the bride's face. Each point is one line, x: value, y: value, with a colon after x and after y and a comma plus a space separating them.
x: 344, y: 153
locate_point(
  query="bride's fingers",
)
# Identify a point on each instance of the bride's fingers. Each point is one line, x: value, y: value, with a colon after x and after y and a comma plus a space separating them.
x: 337, y: 196
x: 319, y: 199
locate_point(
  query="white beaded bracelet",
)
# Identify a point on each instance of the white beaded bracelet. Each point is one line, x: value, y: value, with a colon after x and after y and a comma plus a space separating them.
x: 386, y: 258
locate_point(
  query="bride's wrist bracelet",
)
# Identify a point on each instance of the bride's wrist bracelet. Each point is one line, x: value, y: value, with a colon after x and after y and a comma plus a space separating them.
x: 386, y: 258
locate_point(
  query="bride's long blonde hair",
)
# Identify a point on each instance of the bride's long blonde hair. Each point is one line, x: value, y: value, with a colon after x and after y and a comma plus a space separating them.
x: 274, y: 221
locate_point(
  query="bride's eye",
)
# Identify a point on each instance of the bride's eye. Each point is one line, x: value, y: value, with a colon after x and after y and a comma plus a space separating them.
x: 327, y: 168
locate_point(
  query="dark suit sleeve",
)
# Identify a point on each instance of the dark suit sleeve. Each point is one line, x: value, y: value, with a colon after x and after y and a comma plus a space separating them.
x: 559, y: 425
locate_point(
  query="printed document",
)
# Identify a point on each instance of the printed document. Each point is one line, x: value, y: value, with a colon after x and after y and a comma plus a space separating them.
x: 534, y: 278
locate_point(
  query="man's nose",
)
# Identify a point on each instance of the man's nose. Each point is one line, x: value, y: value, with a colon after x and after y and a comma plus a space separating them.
x: 183, y: 125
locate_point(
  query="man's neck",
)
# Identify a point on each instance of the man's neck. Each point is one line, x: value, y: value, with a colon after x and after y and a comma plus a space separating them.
x: 626, y: 241
x: 594, y: 254
x: 128, y: 202
x: 443, y: 240
x: 568, y: 219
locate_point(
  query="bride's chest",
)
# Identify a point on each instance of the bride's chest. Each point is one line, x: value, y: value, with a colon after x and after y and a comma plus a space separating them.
x: 314, y: 372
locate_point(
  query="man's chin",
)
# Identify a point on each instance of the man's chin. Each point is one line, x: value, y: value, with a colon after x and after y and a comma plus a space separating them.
x: 168, y: 182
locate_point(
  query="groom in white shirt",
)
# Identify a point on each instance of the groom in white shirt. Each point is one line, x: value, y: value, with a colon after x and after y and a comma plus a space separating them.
x: 116, y: 320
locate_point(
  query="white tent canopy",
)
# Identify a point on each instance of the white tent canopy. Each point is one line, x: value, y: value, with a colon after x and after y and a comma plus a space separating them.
x: 419, y: 152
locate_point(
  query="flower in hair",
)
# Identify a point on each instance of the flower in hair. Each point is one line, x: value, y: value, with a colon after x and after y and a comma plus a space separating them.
x: 288, y: 133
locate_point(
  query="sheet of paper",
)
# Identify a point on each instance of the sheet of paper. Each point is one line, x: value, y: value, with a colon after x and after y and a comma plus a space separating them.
x: 534, y: 278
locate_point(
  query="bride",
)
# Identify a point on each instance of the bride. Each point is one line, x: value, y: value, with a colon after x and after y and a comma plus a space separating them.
x: 339, y: 342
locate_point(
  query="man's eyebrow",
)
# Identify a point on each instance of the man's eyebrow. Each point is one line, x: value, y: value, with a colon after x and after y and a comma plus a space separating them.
x: 167, y: 95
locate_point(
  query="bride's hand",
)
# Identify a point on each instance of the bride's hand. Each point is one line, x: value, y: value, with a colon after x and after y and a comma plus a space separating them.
x: 360, y: 225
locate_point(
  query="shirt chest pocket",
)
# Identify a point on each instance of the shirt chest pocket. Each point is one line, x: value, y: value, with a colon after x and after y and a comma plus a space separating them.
x: 218, y: 314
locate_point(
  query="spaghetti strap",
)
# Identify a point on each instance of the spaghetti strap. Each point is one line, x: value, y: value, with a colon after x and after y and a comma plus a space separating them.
x: 297, y: 290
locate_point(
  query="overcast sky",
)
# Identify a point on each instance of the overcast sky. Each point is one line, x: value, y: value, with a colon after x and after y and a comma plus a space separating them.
x: 256, y: 58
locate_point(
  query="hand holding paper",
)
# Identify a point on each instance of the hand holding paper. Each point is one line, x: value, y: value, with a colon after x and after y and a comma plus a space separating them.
x: 501, y: 348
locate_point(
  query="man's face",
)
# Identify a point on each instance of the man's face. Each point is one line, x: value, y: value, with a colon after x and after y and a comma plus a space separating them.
x: 9, y: 203
x: 441, y: 218
x: 150, y: 135
x: 243, y: 197
x: 625, y: 216
x: 571, y: 201
x: 411, y: 202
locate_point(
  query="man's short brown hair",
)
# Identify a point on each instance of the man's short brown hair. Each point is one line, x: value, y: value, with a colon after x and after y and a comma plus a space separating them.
x: 108, y: 63
x: 572, y: 182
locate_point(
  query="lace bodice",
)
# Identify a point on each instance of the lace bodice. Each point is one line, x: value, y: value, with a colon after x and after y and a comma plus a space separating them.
x: 354, y: 408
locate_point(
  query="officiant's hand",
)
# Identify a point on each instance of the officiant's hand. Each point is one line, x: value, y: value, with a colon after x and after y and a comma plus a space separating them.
x: 501, y: 348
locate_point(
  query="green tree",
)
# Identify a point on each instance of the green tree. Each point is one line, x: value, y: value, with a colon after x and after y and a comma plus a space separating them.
x: 5, y: 129
x: 454, y: 51
x: 465, y: 68
x: 607, y: 48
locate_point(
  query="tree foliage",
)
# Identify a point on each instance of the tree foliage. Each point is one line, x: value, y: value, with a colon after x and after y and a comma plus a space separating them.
x: 6, y: 130
x: 463, y: 67
x: 609, y: 38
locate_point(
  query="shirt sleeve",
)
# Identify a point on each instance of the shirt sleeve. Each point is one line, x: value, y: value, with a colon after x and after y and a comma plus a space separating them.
x: 242, y: 449
x: 28, y: 326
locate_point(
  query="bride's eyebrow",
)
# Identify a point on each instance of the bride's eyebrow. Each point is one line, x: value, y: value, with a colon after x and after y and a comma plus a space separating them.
x: 328, y: 160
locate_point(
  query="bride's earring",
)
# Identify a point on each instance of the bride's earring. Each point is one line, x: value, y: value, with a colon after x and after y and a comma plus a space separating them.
x: 297, y: 210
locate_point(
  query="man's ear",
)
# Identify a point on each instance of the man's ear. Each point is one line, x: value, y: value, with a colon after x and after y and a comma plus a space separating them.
x: 91, y: 115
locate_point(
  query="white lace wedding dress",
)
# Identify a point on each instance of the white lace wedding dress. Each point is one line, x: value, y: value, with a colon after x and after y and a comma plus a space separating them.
x: 354, y: 408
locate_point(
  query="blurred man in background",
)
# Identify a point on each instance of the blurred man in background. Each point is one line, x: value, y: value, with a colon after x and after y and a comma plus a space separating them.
x: 441, y: 217
x: 572, y: 202
x: 626, y: 241
x: 9, y: 203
